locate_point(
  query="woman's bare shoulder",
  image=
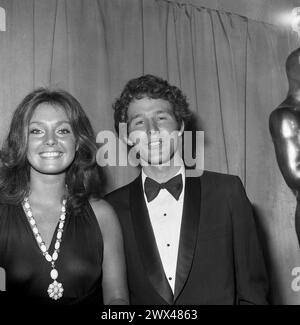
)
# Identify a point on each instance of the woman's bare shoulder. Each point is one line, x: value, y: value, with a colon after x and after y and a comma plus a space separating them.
x: 104, y: 213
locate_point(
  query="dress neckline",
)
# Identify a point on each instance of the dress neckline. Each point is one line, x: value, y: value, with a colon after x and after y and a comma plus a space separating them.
x: 50, y: 249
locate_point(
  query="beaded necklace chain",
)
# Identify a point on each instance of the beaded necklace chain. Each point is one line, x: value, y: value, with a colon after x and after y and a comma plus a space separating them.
x: 55, y: 289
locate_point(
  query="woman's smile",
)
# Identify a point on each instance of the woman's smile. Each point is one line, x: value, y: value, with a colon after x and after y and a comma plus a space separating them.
x: 51, y: 154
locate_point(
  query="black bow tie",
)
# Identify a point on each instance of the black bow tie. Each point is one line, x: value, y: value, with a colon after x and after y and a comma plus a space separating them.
x: 152, y: 188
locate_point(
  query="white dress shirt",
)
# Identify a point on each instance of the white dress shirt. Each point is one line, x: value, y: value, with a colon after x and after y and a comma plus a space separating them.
x: 165, y: 214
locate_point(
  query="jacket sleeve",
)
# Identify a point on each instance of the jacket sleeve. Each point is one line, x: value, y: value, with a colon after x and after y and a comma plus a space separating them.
x: 251, y: 277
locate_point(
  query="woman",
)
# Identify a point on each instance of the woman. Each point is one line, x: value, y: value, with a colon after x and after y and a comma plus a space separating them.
x: 59, y: 241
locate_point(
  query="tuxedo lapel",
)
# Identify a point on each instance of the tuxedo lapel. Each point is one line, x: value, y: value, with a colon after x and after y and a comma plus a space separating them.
x: 188, y: 232
x: 146, y: 241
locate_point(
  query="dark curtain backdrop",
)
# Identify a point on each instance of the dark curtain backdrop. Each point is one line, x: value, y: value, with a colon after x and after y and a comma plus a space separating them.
x: 231, y: 69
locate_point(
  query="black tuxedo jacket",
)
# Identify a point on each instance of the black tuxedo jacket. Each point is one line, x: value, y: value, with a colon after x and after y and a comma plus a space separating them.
x: 219, y: 260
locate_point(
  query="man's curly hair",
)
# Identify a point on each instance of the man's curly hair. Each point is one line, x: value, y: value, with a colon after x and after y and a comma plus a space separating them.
x: 149, y: 86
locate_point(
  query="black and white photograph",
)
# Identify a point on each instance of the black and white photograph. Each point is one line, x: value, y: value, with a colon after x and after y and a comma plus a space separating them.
x: 149, y: 156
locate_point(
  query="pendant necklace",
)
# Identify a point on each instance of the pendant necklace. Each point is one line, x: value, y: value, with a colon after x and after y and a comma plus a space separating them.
x: 55, y: 289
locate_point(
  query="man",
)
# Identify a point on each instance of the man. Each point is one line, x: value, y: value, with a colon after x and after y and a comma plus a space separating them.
x: 188, y: 240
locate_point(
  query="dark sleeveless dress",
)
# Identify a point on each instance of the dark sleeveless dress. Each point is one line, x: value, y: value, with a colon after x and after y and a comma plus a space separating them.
x: 79, y: 262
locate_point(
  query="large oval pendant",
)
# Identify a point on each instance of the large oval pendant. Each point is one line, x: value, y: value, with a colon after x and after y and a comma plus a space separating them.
x: 53, y: 274
x: 55, y: 290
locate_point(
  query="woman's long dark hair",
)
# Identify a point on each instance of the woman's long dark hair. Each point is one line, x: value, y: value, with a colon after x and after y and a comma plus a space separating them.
x: 83, y: 178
